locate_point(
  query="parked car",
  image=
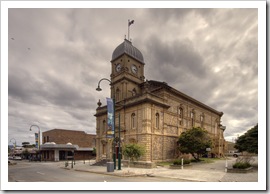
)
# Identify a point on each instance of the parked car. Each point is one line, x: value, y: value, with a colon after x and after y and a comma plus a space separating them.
x: 10, y: 157
x: 17, y: 158
x: 234, y: 153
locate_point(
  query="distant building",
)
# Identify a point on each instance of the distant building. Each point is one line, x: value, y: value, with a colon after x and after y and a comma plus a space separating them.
x: 230, y: 147
x: 62, y: 144
x: 151, y: 113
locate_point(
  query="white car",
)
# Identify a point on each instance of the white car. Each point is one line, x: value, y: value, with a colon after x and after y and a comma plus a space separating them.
x: 15, y: 158
x: 234, y: 154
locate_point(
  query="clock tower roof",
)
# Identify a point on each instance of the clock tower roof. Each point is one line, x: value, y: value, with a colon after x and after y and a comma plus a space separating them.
x: 127, y: 48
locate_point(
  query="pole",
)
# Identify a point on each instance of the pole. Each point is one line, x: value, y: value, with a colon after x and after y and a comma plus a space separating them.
x: 226, y: 165
x: 128, y: 29
x: 114, y: 158
x: 39, y: 139
x: 182, y: 163
x: 119, y: 147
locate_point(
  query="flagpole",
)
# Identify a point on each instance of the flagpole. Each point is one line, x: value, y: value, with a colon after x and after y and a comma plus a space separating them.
x: 128, y: 29
x: 129, y: 23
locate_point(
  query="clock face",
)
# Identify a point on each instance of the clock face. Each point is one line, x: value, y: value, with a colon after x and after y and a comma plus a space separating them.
x: 134, y: 69
x: 118, y: 67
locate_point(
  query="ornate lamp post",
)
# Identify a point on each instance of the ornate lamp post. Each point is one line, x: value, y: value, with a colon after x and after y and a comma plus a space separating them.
x: 99, y: 89
x: 38, y: 134
x: 115, y: 139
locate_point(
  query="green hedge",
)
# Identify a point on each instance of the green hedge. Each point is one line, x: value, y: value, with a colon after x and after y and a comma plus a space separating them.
x: 179, y: 162
x: 241, y: 165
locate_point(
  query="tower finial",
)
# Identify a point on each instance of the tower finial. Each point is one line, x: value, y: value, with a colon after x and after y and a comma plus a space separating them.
x: 129, y: 23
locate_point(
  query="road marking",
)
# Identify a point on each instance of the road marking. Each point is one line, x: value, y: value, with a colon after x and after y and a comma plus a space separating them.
x: 41, y: 173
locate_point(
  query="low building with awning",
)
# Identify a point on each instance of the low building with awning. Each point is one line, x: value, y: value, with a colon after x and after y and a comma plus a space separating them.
x: 67, y: 145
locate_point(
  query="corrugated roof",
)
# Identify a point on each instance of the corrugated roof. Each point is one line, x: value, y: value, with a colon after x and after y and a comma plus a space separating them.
x: 127, y: 48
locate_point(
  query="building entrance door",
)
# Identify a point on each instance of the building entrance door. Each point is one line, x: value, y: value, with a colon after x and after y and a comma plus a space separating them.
x: 62, y: 155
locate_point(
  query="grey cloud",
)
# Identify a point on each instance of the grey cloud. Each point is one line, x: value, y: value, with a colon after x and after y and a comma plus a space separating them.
x: 209, y: 54
x: 179, y: 58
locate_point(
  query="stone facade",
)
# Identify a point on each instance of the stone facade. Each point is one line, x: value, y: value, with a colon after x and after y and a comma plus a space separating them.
x: 152, y: 114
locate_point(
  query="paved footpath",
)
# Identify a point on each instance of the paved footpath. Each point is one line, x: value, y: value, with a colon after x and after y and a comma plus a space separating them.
x: 209, y: 172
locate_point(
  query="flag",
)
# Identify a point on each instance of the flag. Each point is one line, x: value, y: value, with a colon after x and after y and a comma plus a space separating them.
x: 110, y: 109
x: 130, y: 22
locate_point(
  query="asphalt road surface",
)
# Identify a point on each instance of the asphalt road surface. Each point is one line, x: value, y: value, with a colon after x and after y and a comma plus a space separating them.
x: 25, y: 171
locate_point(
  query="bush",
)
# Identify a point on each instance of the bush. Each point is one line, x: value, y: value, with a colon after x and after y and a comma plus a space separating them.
x: 193, y: 160
x: 133, y: 151
x: 179, y: 161
x: 241, y: 165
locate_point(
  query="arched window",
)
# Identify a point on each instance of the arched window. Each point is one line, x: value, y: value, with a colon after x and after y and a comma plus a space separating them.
x: 180, y: 116
x: 157, y: 120
x: 103, y: 126
x: 117, y: 94
x: 134, y: 92
x: 133, y: 118
x: 192, y: 115
x: 216, y: 125
x: 202, y: 119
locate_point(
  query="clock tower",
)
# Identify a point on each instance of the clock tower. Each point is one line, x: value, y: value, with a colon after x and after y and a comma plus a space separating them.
x: 127, y: 71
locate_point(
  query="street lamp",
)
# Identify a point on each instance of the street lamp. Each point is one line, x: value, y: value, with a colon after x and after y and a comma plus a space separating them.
x: 38, y: 134
x: 114, y: 144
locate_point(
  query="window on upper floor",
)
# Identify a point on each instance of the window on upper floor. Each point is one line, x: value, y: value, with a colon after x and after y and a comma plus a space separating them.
x: 157, y: 120
x: 133, y: 120
x: 180, y: 116
x: 202, y: 120
x: 117, y: 94
x: 192, y: 115
x: 103, y: 126
x: 216, y: 125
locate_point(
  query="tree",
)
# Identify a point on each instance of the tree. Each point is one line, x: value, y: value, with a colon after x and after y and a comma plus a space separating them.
x: 249, y: 141
x: 133, y: 151
x: 194, y: 141
x: 26, y: 153
x: 27, y: 145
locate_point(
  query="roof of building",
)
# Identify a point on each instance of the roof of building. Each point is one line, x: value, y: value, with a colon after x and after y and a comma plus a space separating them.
x: 67, y: 130
x: 51, y: 145
x: 68, y: 146
x: 153, y: 85
x: 127, y: 48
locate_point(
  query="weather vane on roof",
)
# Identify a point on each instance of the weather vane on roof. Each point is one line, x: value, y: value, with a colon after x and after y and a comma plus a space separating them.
x: 129, y: 23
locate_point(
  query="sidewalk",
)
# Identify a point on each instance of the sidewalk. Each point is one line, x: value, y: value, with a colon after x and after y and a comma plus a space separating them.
x: 193, y: 173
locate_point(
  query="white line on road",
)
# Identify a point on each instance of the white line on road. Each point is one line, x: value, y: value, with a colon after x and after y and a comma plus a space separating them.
x: 41, y: 173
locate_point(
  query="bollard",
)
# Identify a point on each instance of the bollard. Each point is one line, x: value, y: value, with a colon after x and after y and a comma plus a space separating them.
x: 182, y: 164
x: 226, y: 165
x: 66, y: 164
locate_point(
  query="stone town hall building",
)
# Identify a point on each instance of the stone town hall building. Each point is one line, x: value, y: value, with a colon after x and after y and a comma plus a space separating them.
x: 152, y: 113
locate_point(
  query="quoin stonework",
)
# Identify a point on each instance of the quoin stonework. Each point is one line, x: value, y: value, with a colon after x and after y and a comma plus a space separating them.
x: 151, y: 112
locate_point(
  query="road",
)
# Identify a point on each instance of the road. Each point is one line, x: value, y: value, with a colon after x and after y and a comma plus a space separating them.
x: 25, y: 171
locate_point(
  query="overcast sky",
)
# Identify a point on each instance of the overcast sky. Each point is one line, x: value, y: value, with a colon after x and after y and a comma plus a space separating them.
x: 57, y: 56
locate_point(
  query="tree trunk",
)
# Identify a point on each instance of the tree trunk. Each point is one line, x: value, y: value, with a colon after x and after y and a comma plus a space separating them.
x: 196, y: 158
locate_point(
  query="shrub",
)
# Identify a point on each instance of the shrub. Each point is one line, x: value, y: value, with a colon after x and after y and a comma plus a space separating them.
x: 133, y: 151
x: 193, y: 160
x: 241, y: 165
x: 179, y: 161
